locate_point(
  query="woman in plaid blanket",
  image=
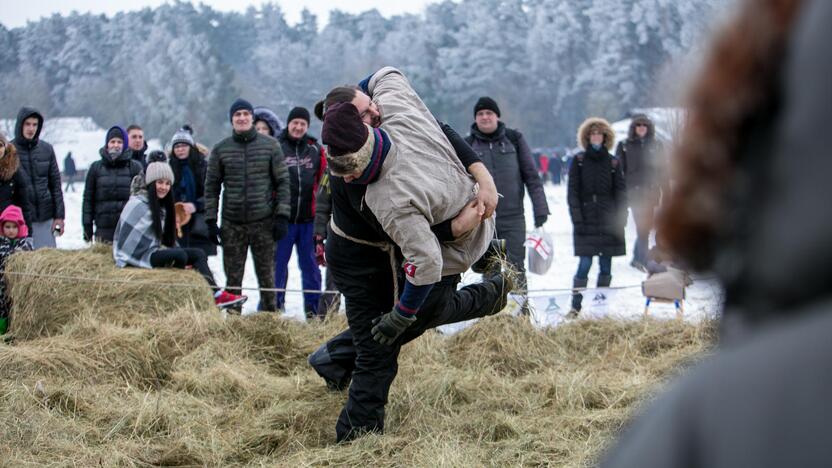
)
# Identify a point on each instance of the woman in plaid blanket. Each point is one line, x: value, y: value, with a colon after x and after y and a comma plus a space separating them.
x: 145, y: 236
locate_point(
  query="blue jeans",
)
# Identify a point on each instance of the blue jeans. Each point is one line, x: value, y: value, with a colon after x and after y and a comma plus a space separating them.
x: 300, y: 235
x: 585, y: 263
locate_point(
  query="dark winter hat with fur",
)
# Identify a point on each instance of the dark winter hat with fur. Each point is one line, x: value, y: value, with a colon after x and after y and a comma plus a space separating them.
x: 240, y: 104
x: 298, y: 113
x: 486, y: 102
x: 347, y: 139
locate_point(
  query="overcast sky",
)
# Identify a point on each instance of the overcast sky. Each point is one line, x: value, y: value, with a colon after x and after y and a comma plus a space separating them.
x: 16, y: 12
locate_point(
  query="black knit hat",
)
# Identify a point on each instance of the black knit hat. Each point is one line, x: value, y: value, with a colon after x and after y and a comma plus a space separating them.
x: 115, y: 132
x: 240, y: 104
x: 298, y: 113
x: 486, y: 102
x: 343, y: 131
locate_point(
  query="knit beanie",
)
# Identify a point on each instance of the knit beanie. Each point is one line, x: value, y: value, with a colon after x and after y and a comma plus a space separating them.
x: 240, y: 104
x: 115, y: 132
x: 157, y: 168
x: 157, y: 171
x: 486, y: 102
x: 349, y: 140
x: 298, y: 113
x: 182, y: 136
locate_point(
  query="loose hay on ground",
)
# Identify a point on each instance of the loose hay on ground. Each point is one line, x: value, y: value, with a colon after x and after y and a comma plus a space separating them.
x: 184, y: 387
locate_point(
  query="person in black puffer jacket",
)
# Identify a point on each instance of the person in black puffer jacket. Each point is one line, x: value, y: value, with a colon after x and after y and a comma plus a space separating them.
x: 597, y: 204
x: 37, y: 158
x: 189, y: 167
x: 14, y: 183
x: 107, y: 188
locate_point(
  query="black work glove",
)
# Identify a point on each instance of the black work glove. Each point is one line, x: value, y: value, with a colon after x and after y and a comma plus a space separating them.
x: 88, y: 233
x: 389, y: 326
x: 213, y: 232
x: 540, y: 220
x: 280, y: 228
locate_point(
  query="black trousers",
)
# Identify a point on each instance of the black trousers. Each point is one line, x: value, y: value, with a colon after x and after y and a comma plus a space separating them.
x: 363, y: 275
x: 180, y: 258
x: 513, y: 230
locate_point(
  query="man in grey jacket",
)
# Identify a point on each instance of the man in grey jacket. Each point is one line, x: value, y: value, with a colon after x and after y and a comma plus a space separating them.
x: 37, y: 158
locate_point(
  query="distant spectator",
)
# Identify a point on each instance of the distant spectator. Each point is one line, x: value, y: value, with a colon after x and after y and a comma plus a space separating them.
x: 37, y: 158
x: 267, y: 122
x: 145, y: 235
x: 13, y: 238
x: 556, y: 168
x: 507, y: 156
x: 248, y: 168
x: 14, y: 184
x: 640, y: 156
x: 543, y: 166
x: 597, y: 205
x: 306, y: 163
x: 136, y: 145
x: 107, y: 188
x: 69, y: 172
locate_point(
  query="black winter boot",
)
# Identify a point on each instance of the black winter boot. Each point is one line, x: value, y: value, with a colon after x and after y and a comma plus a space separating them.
x: 604, y: 281
x: 577, y: 297
x: 504, y: 285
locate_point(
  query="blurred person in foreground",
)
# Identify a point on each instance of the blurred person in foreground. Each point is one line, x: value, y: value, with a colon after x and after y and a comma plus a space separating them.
x: 749, y: 203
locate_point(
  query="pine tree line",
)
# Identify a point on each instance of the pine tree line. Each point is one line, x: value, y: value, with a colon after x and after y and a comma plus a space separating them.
x: 549, y: 63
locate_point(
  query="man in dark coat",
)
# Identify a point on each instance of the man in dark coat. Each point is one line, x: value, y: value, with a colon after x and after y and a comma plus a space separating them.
x: 69, y: 172
x: 306, y: 162
x: 597, y: 205
x: 640, y: 155
x: 136, y: 145
x: 507, y: 156
x: 37, y: 158
x: 249, y: 169
x: 107, y: 187
x: 762, y: 400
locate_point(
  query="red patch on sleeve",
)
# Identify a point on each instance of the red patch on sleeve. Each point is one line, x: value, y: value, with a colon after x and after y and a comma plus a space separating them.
x: 410, y: 269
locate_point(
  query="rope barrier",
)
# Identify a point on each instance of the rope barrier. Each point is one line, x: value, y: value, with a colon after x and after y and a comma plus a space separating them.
x: 284, y: 290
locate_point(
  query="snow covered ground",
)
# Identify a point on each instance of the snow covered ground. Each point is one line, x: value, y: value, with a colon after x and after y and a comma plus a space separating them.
x: 549, y: 293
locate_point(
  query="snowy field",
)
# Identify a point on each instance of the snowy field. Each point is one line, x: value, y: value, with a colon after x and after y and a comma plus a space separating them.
x: 549, y: 293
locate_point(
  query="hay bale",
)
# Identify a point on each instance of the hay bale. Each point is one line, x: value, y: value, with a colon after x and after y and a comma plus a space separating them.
x: 50, y: 288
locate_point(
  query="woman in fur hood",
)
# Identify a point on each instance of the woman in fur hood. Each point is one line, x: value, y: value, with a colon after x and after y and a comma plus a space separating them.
x: 597, y: 205
x: 14, y: 185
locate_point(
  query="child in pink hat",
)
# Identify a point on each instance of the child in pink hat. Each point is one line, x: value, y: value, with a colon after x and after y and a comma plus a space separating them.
x: 13, y: 238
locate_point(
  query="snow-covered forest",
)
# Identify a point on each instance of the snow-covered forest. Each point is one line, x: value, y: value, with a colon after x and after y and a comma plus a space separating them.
x: 549, y: 63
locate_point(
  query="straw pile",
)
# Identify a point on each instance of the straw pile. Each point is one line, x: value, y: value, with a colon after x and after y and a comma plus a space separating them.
x: 52, y: 288
x: 180, y: 386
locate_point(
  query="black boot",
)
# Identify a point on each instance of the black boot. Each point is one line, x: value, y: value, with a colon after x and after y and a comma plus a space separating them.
x: 577, y: 297
x: 496, y: 250
x: 504, y: 285
x: 604, y: 281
